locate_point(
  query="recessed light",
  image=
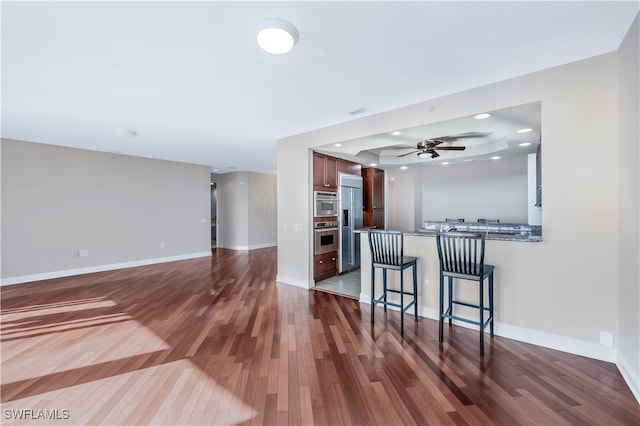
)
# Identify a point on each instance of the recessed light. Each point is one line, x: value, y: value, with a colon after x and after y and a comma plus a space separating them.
x: 373, y: 164
x: 396, y: 133
x: 468, y: 160
x: 337, y: 144
x: 403, y: 168
x: 482, y: 116
x: 527, y: 130
x: 445, y: 163
x: 276, y: 36
x: 524, y: 144
x: 496, y: 157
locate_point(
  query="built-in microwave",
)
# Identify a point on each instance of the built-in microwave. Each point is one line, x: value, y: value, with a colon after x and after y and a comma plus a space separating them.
x: 326, y: 203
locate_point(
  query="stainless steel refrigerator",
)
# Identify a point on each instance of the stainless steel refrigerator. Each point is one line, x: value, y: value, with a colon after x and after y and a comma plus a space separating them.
x: 349, y: 219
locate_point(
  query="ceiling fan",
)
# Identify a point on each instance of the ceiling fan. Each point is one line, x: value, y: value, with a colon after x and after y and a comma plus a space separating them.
x: 430, y: 146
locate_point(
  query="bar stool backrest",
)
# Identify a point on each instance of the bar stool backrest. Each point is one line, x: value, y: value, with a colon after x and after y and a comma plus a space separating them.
x: 461, y: 252
x: 386, y: 247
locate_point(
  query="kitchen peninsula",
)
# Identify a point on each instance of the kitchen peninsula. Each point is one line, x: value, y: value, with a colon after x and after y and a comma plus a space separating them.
x: 504, y: 250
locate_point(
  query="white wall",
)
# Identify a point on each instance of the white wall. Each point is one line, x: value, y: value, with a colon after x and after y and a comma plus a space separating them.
x: 248, y: 205
x: 629, y: 207
x: 493, y: 189
x: 568, y: 283
x: 404, y: 199
x: 57, y: 201
x: 262, y: 210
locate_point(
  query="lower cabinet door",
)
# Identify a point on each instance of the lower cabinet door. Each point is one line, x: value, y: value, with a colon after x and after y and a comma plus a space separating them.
x: 325, y: 266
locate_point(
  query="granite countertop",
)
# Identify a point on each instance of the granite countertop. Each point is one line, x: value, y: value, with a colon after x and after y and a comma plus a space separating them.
x: 497, y: 236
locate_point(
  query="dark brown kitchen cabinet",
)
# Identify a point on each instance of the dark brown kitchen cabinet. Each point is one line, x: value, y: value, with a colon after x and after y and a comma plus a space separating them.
x: 349, y: 167
x: 325, y: 172
x: 373, y: 202
x: 325, y: 266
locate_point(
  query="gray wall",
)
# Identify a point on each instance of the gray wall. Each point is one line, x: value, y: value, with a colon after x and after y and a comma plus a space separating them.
x: 248, y: 210
x: 57, y: 202
x: 629, y: 206
x: 481, y: 189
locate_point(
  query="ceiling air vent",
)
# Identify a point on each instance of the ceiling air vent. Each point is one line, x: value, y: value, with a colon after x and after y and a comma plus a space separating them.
x: 357, y: 111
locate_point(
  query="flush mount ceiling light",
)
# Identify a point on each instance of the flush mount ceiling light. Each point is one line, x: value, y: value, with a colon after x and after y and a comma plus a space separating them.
x: 276, y: 36
x: 482, y: 116
x: 124, y: 133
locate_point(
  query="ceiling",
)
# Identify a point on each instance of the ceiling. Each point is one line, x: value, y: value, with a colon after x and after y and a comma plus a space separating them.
x: 190, y: 80
x: 508, y: 132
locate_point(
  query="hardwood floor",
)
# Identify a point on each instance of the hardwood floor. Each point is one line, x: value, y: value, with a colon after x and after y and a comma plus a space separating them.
x: 217, y: 341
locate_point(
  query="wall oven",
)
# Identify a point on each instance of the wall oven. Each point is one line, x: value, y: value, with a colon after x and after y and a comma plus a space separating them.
x: 326, y: 203
x: 325, y: 237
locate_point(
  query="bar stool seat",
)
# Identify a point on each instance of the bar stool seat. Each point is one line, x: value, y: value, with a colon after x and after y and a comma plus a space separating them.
x: 387, y: 253
x: 461, y: 256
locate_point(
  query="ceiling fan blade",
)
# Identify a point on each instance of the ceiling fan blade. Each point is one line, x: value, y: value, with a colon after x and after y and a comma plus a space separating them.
x: 466, y: 135
x: 401, y: 147
x: 451, y: 148
x: 408, y: 153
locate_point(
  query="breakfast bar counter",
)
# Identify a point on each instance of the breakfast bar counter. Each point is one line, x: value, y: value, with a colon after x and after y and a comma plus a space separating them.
x: 506, y: 252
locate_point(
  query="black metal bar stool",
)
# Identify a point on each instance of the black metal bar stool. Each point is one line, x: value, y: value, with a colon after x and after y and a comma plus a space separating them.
x: 387, y: 253
x: 462, y: 256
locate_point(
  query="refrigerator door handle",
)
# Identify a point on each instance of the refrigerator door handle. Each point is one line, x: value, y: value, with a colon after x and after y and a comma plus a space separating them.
x: 345, y: 217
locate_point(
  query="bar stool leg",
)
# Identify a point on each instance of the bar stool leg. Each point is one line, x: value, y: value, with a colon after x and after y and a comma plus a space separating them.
x: 373, y: 294
x: 441, y: 307
x: 415, y: 291
x: 450, y: 300
x: 401, y: 302
x: 384, y: 287
x: 491, y: 302
x: 481, y: 316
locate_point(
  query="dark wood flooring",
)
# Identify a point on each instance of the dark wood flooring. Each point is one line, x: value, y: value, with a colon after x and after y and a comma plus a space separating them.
x: 218, y: 341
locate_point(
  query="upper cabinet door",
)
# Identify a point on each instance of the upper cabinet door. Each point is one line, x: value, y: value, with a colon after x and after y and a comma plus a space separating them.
x: 325, y: 172
x: 331, y: 172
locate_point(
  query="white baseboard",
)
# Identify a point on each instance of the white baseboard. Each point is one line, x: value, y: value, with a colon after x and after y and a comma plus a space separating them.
x: 99, y: 268
x: 628, y: 375
x: 535, y: 337
x: 292, y: 281
x: 247, y: 248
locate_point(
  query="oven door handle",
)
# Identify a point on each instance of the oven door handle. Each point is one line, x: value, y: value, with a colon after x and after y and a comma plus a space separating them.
x: 326, y: 230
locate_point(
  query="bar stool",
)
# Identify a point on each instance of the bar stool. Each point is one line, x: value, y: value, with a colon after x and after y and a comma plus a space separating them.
x: 462, y: 256
x: 387, y: 253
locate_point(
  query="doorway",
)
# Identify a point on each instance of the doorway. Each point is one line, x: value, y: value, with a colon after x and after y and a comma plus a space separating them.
x: 214, y: 215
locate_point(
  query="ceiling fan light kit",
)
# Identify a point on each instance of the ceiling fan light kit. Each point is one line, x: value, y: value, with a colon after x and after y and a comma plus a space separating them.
x: 276, y: 36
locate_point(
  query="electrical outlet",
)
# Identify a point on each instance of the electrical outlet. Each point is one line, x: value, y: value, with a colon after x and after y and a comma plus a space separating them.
x: 606, y: 338
x: 162, y: 244
x: 297, y: 227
